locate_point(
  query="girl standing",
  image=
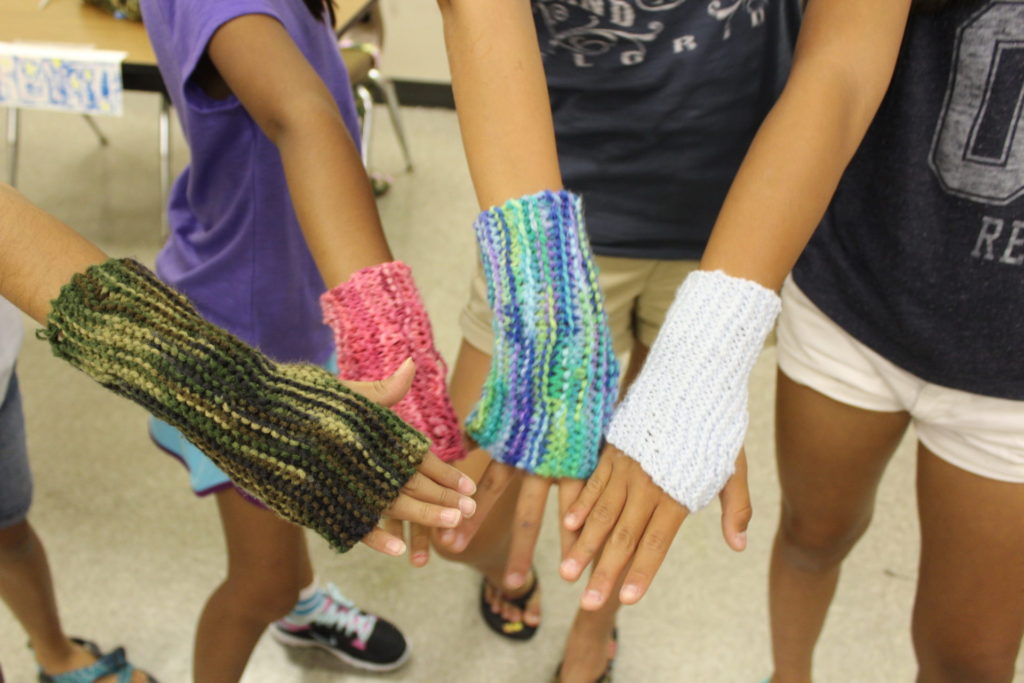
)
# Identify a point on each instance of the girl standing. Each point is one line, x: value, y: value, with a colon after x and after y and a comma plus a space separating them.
x: 895, y: 144
x: 275, y: 204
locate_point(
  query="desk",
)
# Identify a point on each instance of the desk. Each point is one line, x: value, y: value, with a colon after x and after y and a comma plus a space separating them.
x: 70, y: 21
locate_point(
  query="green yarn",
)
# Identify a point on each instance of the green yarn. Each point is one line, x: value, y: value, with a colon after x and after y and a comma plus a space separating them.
x: 553, y: 380
x: 312, y: 450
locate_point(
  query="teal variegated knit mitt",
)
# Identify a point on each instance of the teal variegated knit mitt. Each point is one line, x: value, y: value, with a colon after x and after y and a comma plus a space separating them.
x: 553, y: 377
x: 312, y: 450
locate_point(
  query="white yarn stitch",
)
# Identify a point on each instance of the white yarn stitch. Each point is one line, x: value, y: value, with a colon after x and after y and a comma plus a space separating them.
x: 685, y: 416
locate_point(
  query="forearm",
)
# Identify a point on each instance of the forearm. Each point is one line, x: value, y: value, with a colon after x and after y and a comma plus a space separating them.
x: 501, y: 98
x: 38, y: 254
x: 800, y: 152
x: 332, y: 196
x: 258, y: 61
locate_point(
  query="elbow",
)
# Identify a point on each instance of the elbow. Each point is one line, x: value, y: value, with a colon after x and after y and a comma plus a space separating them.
x: 298, y: 116
x: 853, y: 94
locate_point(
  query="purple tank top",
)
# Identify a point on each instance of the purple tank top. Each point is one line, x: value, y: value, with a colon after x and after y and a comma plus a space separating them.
x: 236, y: 248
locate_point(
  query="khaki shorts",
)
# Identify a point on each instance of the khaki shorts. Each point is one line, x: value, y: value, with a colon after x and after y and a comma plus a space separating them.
x: 637, y: 295
x: 980, y: 434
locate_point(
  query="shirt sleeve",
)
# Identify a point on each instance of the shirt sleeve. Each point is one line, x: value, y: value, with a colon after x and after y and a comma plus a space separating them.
x: 180, y: 31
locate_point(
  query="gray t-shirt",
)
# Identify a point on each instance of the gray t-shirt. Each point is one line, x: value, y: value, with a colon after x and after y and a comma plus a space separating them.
x: 655, y: 103
x: 10, y: 341
x: 921, y: 253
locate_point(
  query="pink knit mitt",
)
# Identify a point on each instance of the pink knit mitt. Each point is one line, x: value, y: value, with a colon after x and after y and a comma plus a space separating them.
x: 378, y: 321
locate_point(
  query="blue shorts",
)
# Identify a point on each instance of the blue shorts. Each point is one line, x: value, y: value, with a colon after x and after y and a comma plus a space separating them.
x: 15, y: 477
x: 205, y: 477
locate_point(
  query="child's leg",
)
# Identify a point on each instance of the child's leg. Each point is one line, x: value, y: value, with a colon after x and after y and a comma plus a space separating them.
x: 830, y: 457
x: 488, y: 551
x: 268, y: 565
x: 969, y: 612
x: 587, y: 647
x: 26, y: 585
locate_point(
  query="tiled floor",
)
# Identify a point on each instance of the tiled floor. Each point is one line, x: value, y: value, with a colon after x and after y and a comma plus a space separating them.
x: 135, y: 554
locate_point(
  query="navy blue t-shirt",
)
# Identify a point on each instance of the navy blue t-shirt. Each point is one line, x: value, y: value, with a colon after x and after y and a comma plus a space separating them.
x: 921, y: 253
x: 655, y: 103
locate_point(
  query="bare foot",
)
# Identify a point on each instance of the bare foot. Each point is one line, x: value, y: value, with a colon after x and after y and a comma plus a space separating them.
x: 499, y: 600
x: 77, y: 657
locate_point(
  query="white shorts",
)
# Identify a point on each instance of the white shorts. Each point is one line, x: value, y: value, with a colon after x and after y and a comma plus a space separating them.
x: 980, y: 434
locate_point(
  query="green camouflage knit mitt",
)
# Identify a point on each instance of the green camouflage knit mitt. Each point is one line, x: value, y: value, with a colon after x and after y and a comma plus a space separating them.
x: 312, y: 450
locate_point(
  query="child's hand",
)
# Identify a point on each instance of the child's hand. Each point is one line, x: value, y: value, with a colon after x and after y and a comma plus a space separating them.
x: 318, y: 453
x: 623, y: 515
x: 533, y: 497
x: 437, y: 495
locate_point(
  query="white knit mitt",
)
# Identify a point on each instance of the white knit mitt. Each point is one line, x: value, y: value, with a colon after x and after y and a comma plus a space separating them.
x: 685, y: 416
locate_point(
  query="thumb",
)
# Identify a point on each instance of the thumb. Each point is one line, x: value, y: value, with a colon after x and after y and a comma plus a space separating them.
x: 736, y: 509
x: 390, y: 390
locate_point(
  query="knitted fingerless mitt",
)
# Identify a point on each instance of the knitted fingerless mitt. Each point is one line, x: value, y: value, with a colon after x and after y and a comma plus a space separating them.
x: 685, y: 416
x: 312, y: 450
x: 553, y: 376
x: 378, y: 321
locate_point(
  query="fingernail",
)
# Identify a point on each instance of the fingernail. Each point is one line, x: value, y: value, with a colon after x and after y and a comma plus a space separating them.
x: 450, y: 517
x: 570, y: 568
x: 407, y: 361
x: 395, y: 547
x: 460, y: 543
x: 592, y: 598
x: 742, y: 538
x: 419, y: 558
x: 513, y: 580
x: 468, y: 506
x: 467, y: 486
x: 570, y: 521
x: 630, y: 593
x: 447, y: 536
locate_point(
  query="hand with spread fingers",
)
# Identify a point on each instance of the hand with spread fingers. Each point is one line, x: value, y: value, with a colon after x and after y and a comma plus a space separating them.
x: 319, y: 452
x: 529, y: 513
x: 627, y: 523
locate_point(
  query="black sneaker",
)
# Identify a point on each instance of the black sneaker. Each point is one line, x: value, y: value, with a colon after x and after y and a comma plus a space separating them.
x: 362, y: 640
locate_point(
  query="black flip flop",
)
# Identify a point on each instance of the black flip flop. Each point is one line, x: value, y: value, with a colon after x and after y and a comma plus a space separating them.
x: 606, y: 677
x: 513, y: 630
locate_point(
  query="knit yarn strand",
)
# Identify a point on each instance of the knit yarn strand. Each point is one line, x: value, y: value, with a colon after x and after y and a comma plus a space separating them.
x: 685, y: 416
x: 378, y: 321
x: 553, y: 378
x: 312, y: 450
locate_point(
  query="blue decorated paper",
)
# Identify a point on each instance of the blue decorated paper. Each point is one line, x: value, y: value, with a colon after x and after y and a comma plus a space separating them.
x: 34, y: 76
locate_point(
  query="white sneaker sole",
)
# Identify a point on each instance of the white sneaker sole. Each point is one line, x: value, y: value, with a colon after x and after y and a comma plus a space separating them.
x: 285, y: 638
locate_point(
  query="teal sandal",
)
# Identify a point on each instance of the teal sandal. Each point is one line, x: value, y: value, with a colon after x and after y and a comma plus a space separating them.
x: 111, y: 663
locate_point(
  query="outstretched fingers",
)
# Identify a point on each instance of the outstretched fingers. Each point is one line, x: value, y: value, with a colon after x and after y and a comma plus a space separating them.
x: 386, y: 542
x: 492, y: 484
x: 533, y: 498
x: 618, y: 551
x: 736, y: 508
x: 442, y: 473
x: 409, y: 509
x: 425, y: 489
x: 578, y: 512
x: 568, y: 492
x: 600, y: 520
x: 650, y: 553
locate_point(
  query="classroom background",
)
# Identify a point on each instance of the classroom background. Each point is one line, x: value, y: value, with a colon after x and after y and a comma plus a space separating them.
x: 134, y: 554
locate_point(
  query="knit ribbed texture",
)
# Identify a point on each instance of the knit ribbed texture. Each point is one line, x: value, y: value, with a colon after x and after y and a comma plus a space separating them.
x: 685, y: 416
x: 291, y: 434
x: 553, y: 377
x: 378, y: 321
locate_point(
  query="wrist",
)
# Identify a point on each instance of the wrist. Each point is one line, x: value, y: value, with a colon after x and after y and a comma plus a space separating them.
x: 685, y: 416
x: 553, y: 375
x: 379, y: 320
